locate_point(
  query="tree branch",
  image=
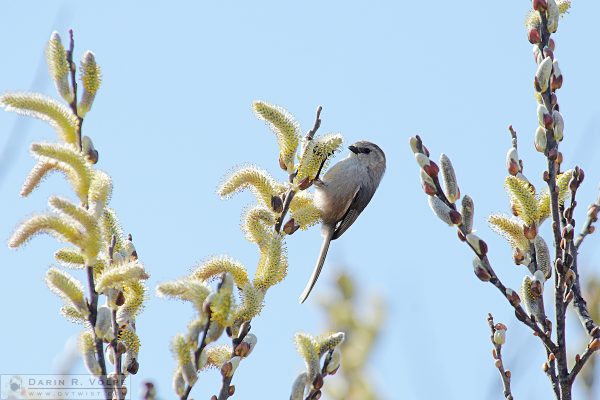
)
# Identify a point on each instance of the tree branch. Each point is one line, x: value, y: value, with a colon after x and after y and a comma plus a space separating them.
x: 289, y: 195
x: 73, y: 70
x: 227, y: 389
x: 497, y: 354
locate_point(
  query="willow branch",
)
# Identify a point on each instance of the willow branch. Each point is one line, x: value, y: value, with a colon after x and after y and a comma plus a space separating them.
x: 497, y: 354
x: 289, y: 195
x: 227, y: 389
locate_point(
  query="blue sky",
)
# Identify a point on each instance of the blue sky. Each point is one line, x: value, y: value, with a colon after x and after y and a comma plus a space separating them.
x: 173, y: 117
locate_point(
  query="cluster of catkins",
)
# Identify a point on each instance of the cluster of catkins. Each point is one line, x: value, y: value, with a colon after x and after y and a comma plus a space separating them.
x: 97, y: 245
x: 237, y: 299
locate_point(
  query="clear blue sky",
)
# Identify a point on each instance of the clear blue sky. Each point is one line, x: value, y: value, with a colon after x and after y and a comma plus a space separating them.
x: 173, y: 116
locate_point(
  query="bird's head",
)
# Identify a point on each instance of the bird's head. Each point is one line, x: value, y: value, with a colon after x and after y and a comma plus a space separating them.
x: 370, y: 154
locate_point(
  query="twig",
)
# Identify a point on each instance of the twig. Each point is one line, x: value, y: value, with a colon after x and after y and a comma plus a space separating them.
x: 551, y: 153
x: 581, y: 305
x: 316, y: 126
x: 588, y: 227
x: 315, y: 392
x: 198, y: 353
x: 512, y: 298
x: 497, y: 353
x: 93, y: 295
x: 581, y: 360
x: 289, y: 195
x: 93, y: 305
x: 115, y: 326
x: 227, y: 389
x: 514, y: 142
x: 73, y: 70
x: 118, y: 363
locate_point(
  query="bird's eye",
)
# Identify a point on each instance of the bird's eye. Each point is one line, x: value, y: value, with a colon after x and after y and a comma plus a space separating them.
x: 366, y: 150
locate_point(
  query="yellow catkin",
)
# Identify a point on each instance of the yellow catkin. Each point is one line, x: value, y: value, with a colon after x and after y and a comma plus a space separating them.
x: 67, y: 154
x: 119, y: 275
x: 308, y: 348
x: 251, y: 304
x: 562, y: 181
x: 188, y: 289
x: 68, y: 288
x: 303, y: 210
x: 251, y: 177
x: 523, y: 198
x: 329, y: 342
x: 317, y: 152
x: 217, y: 355
x: 258, y: 225
x: 511, y: 230
x: 216, y: 266
x: 56, y: 226
x: 285, y: 127
x: 58, y: 115
x: 70, y: 257
x: 131, y: 340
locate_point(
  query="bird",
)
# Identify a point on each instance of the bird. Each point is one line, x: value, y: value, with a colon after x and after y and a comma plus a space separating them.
x: 342, y: 194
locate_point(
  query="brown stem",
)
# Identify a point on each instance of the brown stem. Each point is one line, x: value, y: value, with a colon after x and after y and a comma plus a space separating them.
x: 588, y: 227
x: 504, y: 374
x: 289, y: 195
x: 226, y: 390
x: 198, y: 353
x: 118, y: 360
x: 580, y: 361
x: 73, y: 70
x: 93, y: 305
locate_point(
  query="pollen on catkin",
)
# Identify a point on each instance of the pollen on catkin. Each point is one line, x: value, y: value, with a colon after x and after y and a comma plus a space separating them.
x: 308, y: 348
x: 183, y: 353
x: 70, y: 257
x: 317, y: 153
x: 562, y: 181
x: 135, y: 294
x: 68, y: 288
x: 523, y: 198
x: 35, y: 105
x: 285, y: 127
x: 100, y: 192
x: 71, y: 157
x: 119, y: 275
x: 41, y: 170
x: 192, y: 290
x: 304, y: 211
x: 216, y: 266
x: 111, y: 226
x: 131, y: 340
x: 216, y: 356
x: 63, y: 230
x: 91, y: 77
x: 251, y: 304
x: 511, y: 230
x: 257, y: 225
x: 250, y: 177
x: 329, y: 342
x: 274, y: 268
x: 223, y: 303
x: 531, y: 300
x: 72, y: 314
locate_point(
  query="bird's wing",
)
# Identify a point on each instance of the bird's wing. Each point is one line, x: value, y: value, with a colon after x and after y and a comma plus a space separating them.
x: 361, y: 198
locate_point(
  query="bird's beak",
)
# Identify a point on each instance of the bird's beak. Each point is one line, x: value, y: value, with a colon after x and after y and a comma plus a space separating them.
x: 353, y: 149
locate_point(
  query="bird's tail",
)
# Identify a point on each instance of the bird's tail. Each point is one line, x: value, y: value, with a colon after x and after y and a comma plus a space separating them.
x: 328, y: 234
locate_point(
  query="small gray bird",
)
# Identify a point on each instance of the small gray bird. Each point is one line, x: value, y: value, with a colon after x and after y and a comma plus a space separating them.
x: 343, y: 193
